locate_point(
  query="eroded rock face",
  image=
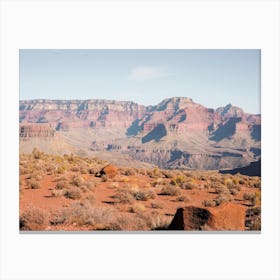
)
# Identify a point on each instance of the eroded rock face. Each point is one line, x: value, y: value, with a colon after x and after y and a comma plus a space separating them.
x: 35, y: 131
x: 227, y: 216
x: 176, y: 133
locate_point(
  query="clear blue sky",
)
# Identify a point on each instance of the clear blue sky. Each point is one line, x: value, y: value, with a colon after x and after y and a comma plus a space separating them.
x: 212, y: 78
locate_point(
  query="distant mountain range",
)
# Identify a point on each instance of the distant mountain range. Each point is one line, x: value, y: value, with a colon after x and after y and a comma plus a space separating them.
x: 176, y: 133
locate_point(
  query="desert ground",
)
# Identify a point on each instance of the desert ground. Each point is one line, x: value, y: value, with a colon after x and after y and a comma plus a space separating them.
x: 71, y: 193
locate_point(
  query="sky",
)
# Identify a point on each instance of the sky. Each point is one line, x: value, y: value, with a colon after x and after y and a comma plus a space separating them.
x: 213, y: 78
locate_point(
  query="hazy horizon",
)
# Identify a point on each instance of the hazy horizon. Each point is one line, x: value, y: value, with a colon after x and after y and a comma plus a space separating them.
x: 47, y: 99
x: 212, y: 78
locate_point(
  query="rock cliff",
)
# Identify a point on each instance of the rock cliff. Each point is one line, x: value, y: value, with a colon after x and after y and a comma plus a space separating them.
x: 176, y: 133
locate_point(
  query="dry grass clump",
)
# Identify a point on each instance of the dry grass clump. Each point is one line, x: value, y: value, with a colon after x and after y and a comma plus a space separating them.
x: 189, y: 185
x: 123, y: 196
x: 159, y: 182
x: 170, y: 190
x: 137, y: 208
x: 58, y: 192
x: 33, y: 219
x: 128, y: 171
x: 222, y: 198
x: 33, y: 184
x: 37, y: 154
x: 222, y: 189
x: 254, y: 198
x: 178, y: 181
x: 155, y: 173
x: 91, y: 185
x: 77, y: 180
x: 85, y: 214
x: 155, y: 220
x: 253, y: 218
x: 61, y: 185
x: 144, y: 194
x: 73, y: 193
x: 130, y: 193
x: 183, y: 198
x: 209, y: 203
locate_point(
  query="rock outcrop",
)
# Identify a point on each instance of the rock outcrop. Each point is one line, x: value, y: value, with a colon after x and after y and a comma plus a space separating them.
x: 35, y: 131
x: 110, y: 171
x: 227, y: 216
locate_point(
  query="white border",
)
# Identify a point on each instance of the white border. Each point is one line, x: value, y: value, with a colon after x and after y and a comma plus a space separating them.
x: 146, y: 24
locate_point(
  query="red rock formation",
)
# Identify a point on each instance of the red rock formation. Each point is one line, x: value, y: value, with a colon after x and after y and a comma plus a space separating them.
x: 204, y: 137
x: 228, y: 216
x: 110, y: 171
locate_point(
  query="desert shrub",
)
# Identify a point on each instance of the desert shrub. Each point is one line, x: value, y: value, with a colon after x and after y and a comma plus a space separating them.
x: 73, y: 193
x: 249, y: 196
x: 155, y: 220
x: 241, y: 182
x: 157, y: 205
x: 80, y: 214
x: 233, y: 191
x: 189, y: 185
x: 221, y: 198
x: 24, y: 170
x: 77, y: 180
x: 61, y: 178
x: 170, y: 190
x: 254, y: 198
x: 183, y: 198
x: 257, y: 185
x: 128, y: 172
x: 155, y: 173
x: 58, y: 192
x: 123, y: 196
x: 33, y: 219
x: 209, y: 203
x: 75, y: 169
x: 33, y: 185
x: 158, y: 182
x: 90, y: 185
x: 50, y: 169
x: 144, y: 194
x: 37, y: 154
x: 89, y: 200
x: 178, y: 181
x: 222, y: 190
x: 132, y: 192
x: 61, y: 169
x: 61, y: 185
x: 167, y: 174
x: 137, y: 208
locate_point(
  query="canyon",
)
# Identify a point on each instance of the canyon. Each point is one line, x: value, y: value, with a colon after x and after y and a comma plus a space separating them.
x: 177, y: 133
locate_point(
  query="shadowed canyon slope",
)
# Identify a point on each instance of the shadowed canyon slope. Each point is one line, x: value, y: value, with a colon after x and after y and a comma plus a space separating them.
x: 176, y: 133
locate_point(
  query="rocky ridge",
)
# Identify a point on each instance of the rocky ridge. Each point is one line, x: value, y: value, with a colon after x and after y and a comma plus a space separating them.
x: 176, y: 133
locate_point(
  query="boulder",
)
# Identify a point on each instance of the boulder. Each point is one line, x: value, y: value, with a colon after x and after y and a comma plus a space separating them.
x: 110, y: 171
x: 227, y: 216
